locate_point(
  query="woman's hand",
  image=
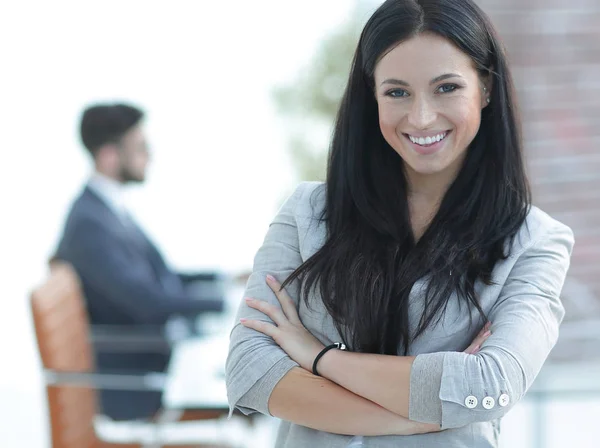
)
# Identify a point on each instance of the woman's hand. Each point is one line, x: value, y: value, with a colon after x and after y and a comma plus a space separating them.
x: 288, y: 331
x: 479, y: 339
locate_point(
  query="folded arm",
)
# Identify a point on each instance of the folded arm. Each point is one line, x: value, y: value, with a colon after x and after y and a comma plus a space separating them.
x: 436, y: 388
x: 314, y: 402
x: 261, y: 377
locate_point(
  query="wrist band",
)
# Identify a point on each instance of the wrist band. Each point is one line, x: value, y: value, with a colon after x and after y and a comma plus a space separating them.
x: 339, y: 345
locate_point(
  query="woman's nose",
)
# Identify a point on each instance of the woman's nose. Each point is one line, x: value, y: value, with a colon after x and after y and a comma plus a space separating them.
x: 422, y: 113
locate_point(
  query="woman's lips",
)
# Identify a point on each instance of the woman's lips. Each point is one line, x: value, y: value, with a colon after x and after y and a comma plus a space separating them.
x: 428, y: 149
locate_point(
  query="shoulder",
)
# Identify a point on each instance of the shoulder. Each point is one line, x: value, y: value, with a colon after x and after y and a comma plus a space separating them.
x: 85, y: 203
x: 76, y: 212
x: 308, y: 199
x: 87, y: 213
x: 540, y: 228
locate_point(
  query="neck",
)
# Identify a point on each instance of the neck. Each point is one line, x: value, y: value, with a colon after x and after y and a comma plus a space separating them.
x: 428, y: 189
x: 425, y: 195
x: 102, y: 171
x: 431, y: 188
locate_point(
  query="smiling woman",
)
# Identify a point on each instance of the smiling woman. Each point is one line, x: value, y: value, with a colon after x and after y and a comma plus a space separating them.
x: 429, y: 112
x: 422, y: 234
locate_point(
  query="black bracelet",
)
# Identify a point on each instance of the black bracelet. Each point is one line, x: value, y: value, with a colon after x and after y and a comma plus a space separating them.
x: 339, y: 345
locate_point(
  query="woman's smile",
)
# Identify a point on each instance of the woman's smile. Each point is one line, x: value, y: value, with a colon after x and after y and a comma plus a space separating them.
x: 427, y: 145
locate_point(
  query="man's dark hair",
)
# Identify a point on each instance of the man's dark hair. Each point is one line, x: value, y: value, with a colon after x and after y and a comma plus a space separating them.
x: 107, y: 123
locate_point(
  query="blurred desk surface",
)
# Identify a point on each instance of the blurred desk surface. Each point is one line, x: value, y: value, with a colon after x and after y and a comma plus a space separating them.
x: 196, y: 375
x: 568, y: 380
x: 196, y: 371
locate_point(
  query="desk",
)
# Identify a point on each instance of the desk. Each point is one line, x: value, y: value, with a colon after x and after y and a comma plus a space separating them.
x: 196, y: 382
x: 560, y: 382
x: 568, y: 380
x: 196, y: 375
x: 196, y: 371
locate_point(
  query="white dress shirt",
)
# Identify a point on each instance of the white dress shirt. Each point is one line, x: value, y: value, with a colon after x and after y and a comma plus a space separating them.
x: 111, y: 192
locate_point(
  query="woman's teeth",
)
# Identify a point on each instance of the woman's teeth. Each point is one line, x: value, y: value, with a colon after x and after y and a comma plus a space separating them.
x: 428, y: 140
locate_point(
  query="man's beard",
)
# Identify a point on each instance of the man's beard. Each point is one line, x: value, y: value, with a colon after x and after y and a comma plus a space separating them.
x: 128, y: 177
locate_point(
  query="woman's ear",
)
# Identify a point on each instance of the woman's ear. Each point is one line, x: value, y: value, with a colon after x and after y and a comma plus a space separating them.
x: 486, y: 89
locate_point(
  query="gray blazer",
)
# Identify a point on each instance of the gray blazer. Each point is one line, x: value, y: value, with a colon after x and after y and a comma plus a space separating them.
x: 447, y: 387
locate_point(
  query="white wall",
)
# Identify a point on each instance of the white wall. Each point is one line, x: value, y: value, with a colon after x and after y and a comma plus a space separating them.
x: 204, y: 73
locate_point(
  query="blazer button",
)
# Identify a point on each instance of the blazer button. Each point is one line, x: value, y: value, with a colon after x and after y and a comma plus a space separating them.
x: 488, y: 403
x: 471, y: 402
x: 504, y: 400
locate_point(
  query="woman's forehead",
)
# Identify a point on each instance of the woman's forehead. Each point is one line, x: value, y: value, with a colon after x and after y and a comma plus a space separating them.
x: 424, y: 57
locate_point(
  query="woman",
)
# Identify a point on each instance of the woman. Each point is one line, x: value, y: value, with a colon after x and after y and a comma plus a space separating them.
x: 422, y: 233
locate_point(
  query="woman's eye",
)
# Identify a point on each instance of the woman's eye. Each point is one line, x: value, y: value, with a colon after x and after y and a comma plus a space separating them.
x: 397, y: 93
x: 447, y: 88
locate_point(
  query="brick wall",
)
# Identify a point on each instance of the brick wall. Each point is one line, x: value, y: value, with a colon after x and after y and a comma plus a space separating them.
x: 554, y: 49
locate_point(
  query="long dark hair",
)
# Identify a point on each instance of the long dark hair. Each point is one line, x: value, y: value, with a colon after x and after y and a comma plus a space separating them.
x: 370, y: 261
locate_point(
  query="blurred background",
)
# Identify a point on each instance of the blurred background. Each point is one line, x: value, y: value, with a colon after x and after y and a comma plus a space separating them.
x: 240, y: 97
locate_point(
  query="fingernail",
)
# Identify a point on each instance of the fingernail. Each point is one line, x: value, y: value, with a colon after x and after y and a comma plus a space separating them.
x: 270, y: 278
x: 248, y: 299
x: 487, y: 333
x: 243, y: 320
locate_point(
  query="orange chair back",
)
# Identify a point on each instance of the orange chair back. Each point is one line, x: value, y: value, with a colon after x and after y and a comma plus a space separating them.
x: 62, y: 332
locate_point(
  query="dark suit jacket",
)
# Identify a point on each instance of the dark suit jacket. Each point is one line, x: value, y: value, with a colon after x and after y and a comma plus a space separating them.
x: 126, y: 283
x: 125, y: 278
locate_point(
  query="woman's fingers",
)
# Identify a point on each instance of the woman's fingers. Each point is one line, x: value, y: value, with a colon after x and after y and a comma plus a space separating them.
x: 287, y: 304
x: 258, y: 325
x: 272, y: 311
x: 484, y: 332
x: 278, y: 314
x: 479, y: 339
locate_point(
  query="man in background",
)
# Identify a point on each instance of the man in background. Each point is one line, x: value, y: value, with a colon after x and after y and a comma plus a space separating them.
x: 125, y: 279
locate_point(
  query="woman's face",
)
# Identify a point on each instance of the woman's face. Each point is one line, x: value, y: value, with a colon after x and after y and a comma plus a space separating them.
x: 430, y: 99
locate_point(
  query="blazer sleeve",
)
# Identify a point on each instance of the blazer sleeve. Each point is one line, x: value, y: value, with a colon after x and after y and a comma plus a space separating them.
x: 525, y: 323
x: 255, y: 361
x: 104, y: 263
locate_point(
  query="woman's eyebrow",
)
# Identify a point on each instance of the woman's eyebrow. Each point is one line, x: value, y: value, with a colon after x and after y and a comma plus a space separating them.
x: 399, y: 82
